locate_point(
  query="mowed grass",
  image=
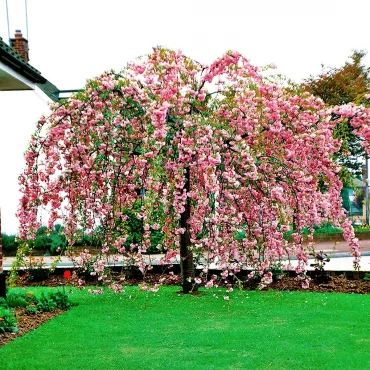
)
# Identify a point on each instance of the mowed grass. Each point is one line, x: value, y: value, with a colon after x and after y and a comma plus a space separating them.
x: 255, y: 330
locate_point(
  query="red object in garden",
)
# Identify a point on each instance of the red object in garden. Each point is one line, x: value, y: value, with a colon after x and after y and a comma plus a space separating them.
x: 67, y: 274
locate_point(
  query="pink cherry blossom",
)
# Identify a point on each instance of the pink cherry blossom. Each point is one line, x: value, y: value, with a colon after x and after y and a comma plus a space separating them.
x: 218, y: 159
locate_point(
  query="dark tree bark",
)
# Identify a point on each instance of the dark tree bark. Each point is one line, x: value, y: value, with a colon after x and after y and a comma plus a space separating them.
x: 186, y: 254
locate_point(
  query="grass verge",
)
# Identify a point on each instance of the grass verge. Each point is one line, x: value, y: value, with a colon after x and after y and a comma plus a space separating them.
x: 164, y: 330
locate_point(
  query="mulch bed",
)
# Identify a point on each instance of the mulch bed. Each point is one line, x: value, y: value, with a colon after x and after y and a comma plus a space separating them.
x: 338, y: 284
x: 321, y: 283
x: 26, y: 323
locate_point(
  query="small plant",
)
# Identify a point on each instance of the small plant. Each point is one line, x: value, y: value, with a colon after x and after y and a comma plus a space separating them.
x: 61, y: 299
x: 16, y: 300
x: 20, y: 298
x: 8, y: 321
x: 3, y: 302
x: 84, y: 266
x: 36, y: 270
x: 319, y: 273
x: 50, y: 300
x: 30, y: 297
x: 367, y: 277
x: 327, y: 228
x: 10, y: 244
x: 277, y: 271
x: 46, y: 303
x: 31, y: 310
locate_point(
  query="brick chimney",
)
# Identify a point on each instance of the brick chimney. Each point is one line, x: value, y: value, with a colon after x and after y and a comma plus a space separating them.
x: 20, y: 45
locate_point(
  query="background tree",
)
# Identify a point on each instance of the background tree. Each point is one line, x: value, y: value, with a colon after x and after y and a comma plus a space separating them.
x: 337, y: 86
x: 202, y: 153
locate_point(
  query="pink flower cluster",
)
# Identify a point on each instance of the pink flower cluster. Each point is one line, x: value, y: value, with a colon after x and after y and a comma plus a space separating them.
x: 248, y: 156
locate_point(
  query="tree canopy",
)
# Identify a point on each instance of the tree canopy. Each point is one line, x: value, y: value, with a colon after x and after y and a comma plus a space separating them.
x: 337, y: 86
x: 203, y: 153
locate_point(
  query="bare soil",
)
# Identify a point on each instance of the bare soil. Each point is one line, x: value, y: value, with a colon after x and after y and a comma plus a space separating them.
x: 27, y: 323
x: 319, y: 283
x: 338, y: 284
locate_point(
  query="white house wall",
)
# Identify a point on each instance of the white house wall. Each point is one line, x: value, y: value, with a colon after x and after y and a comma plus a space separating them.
x: 19, y: 111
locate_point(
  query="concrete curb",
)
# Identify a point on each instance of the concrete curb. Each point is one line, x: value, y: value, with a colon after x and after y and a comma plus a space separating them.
x: 340, y: 262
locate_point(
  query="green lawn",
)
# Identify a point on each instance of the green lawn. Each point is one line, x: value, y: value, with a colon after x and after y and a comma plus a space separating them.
x: 259, y: 330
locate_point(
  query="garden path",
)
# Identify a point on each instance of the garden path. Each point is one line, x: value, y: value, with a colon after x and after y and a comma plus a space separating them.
x: 338, y: 251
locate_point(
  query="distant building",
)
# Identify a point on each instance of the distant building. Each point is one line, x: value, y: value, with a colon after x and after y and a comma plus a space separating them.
x: 354, y: 200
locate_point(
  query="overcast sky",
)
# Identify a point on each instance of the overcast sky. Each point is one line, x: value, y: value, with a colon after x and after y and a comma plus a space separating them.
x: 71, y: 41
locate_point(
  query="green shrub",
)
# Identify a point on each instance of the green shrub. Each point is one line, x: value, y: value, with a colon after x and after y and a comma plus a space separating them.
x: 53, y: 241
x: 31, y: 310
x: 363, y: 229
x: 3, y: 302
x: 15, y: 300
x: 58, y: 243
x: 327, y: 228
x: 20, y: 298
x: 8, y: 321
x: 42, y: 242
x: 10, y: 244
x: 133, y: 226
x: 50, y: 300
x: 61, y: 299
x: 45, y: 303
x: 83, y: 240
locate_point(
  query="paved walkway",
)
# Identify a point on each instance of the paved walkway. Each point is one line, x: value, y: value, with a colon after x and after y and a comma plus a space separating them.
x: 340, y: 259
x: 341, y: 247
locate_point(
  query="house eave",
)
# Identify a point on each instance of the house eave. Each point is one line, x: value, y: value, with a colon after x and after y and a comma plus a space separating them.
x: 15, y: 62
x: 16, y: 74
x: 11, y: 79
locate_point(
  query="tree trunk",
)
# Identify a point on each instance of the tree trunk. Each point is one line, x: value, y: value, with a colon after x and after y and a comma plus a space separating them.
x: 186, y: 254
